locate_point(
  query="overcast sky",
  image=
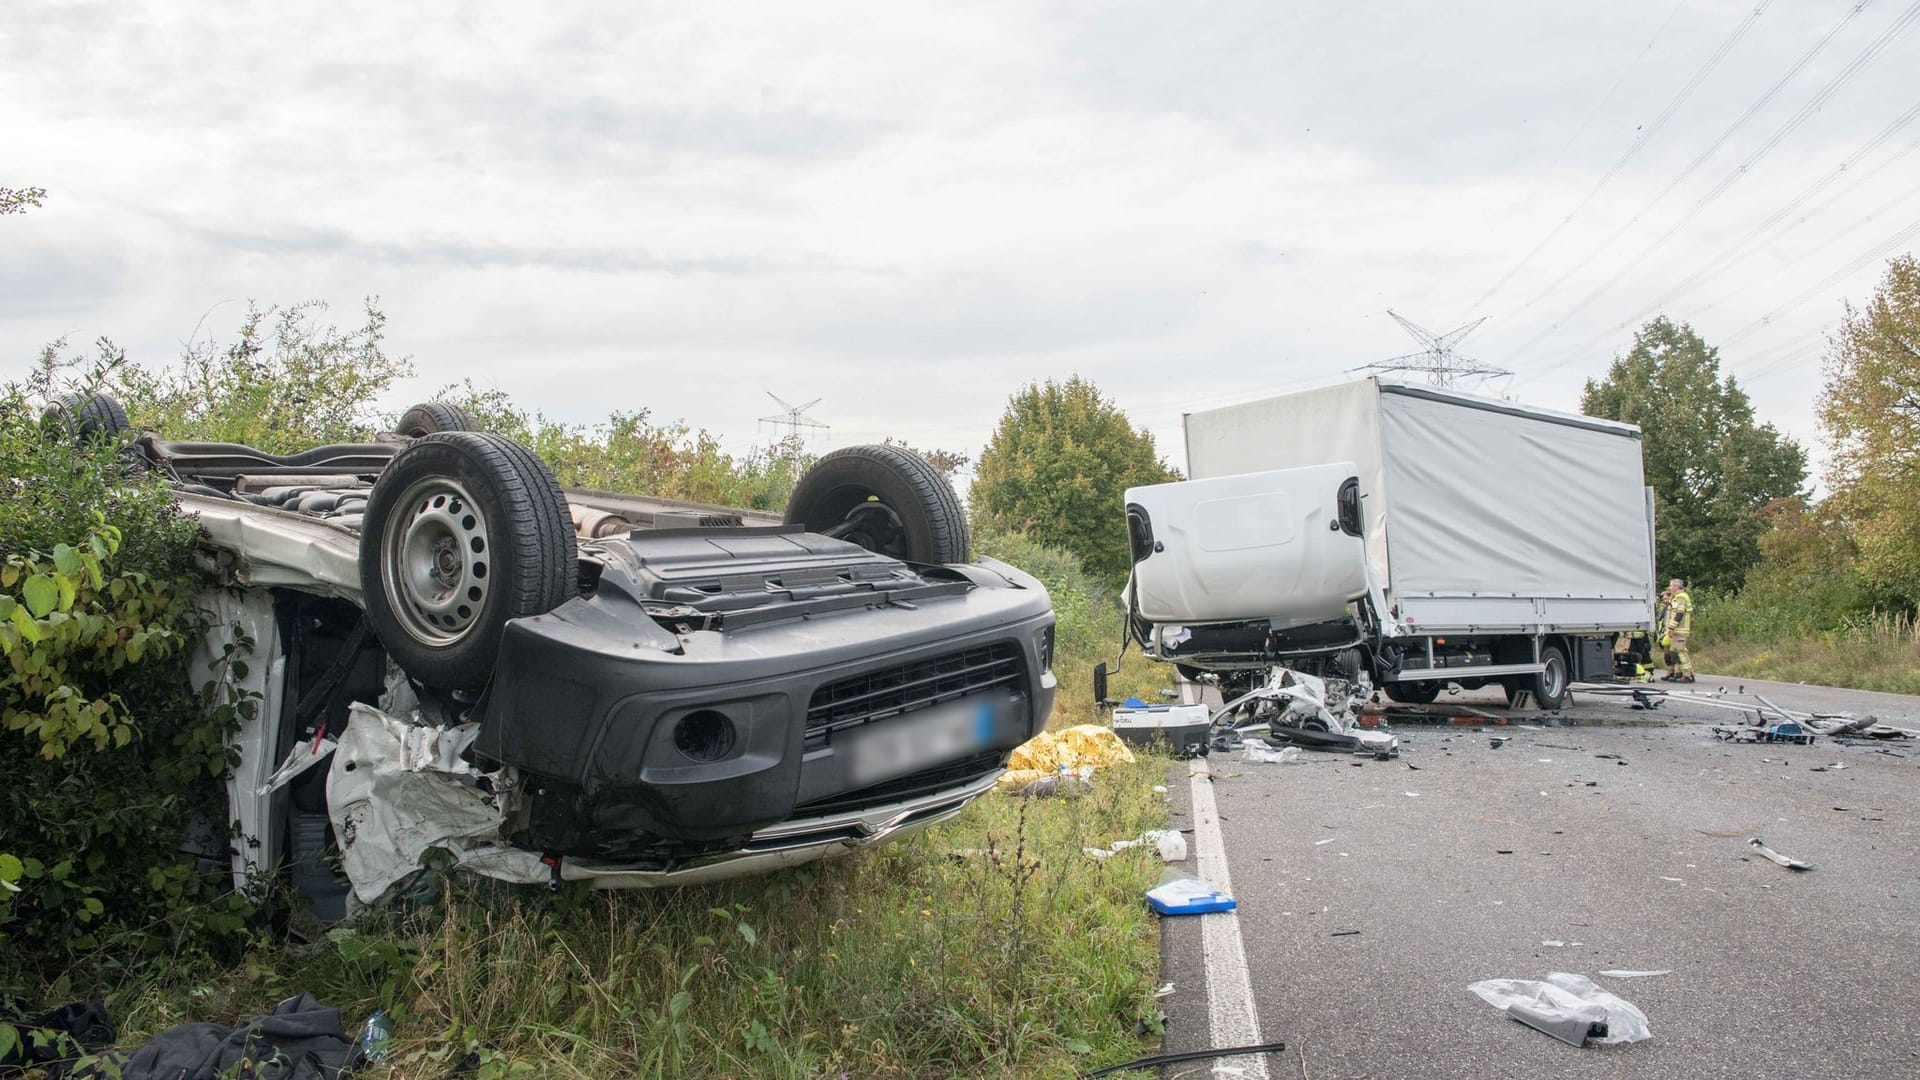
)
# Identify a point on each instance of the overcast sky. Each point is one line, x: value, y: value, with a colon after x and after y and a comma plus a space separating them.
x: 907, y: 211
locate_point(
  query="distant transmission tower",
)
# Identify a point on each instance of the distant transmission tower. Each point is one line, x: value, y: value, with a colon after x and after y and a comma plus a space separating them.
x: 794, y: 421
x: 1438, y: 361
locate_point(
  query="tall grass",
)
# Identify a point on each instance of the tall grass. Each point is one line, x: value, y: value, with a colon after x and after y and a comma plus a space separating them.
x: 991, y: 946
x: 1872, y: 650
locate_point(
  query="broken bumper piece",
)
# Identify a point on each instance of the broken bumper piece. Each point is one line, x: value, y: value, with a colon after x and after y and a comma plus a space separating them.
x: 396, y: 795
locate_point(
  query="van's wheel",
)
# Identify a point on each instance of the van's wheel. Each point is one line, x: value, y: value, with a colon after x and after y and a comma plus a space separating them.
x: 1414, y: 693
x: 430, y: 416
x: 464, y: 530
x: 80, y: 418
x: 885, y: 499
x: 1550, y: 685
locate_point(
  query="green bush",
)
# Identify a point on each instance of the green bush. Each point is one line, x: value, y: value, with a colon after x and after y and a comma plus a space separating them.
x: 1088, y: 616
x: 634, y: 453
x: 106, y: 752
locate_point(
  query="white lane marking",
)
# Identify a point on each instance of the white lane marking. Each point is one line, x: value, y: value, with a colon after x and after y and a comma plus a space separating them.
x: 1229, y: 986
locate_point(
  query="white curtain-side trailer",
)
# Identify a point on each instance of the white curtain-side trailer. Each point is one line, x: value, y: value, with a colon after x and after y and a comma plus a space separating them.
x: 1412, y: 536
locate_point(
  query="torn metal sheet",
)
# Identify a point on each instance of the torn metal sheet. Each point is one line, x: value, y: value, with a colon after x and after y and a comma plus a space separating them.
x: 262, y: 546
x: 390, y: 806
x: 1790, y: 863
x: 305, y: 755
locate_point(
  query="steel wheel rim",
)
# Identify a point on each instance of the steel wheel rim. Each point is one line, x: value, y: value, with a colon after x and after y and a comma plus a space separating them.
x: 1556, y: 677
x: 436, y: 557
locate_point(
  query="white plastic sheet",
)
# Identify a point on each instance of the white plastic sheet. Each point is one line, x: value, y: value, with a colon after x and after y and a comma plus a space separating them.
x: 1563, y: 996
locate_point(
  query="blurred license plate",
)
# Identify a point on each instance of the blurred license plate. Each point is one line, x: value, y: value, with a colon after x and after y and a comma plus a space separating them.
x: 885, y: 749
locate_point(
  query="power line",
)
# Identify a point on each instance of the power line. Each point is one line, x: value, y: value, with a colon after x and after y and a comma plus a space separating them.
x: 1833, y: 237
x: 1700, y: 159
x: 1739, y: 247
x: 1840, y: 79
x: 1859, y: 262
x: 1647, y: 132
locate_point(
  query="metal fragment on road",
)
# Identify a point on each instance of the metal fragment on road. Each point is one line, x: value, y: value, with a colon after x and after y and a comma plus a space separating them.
x: 1619, y: 974
x: 1773, y: 856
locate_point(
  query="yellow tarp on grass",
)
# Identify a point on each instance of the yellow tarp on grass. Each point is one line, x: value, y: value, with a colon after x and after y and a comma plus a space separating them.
x: 1042, y: 755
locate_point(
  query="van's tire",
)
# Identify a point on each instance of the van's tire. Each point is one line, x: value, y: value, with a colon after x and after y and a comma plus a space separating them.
x: 885, y: 499
x: 1550, y: 686
x: 429, y: 417
x: 80, y: 419
x: 464, y: 530
x: 1414, y: 693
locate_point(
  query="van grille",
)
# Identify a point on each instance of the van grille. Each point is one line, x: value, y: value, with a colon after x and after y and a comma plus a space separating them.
x: 889, y: 692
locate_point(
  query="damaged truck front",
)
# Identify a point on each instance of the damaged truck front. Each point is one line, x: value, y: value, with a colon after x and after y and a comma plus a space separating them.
x: 1375, y: 534
x: 450, y: 658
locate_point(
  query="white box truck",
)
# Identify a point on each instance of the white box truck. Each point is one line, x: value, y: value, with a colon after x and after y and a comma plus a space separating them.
x: 1401, y: 535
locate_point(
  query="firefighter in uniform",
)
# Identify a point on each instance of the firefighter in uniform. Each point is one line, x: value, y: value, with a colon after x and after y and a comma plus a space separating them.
x: 1676, y: 625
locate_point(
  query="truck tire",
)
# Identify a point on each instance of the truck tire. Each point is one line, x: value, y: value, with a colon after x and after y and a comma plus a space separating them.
x: 430, y: 416
x: 885, y: 499
x: 1550, y: 685
x: 464, y: 531
x: 1414, y: 693
x: 80, y: 419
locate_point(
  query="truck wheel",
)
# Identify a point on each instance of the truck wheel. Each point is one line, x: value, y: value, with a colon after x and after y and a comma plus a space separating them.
x: 1414, y: 693
x: 885, y: 499
x: 80, y: 419
x: 431, y: 416
x: 464, y: 530
x: 1550, y: 686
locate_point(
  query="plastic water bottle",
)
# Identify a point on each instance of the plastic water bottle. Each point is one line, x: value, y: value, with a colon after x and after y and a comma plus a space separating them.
x: 375, y: 1037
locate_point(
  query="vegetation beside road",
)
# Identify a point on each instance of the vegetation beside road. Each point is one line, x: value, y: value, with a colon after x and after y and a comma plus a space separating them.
x: 1787, y: 587
x: 992, y: 945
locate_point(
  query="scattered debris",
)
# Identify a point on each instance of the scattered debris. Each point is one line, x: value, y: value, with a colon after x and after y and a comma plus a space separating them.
x: 1263, y: 754
x: 1568, y: 1007
x: 1413, y: 794
x: 1344, y: 933
x: 1681, y: 881
x: 1172, y: 846
x: 1499, y: 741
x: 1618, y: 974
x: 1835, y: 767
x: 1773, y: 856
x: 1184, y: 894
x: 1328, y: 840
x: 1167, y: 989
x: 1077, y: 782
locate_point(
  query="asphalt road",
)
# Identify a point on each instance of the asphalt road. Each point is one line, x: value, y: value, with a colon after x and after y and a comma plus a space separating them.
x: 1465, y: 867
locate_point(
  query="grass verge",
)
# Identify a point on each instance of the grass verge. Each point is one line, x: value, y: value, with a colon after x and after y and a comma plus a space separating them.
x: 990, y: 946
x: 1834, y: 659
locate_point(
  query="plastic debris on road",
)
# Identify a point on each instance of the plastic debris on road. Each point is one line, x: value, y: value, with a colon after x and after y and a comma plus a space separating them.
x: 1075, y: 748
x: 1571, y: 1008
x: 1184, y: 894
x: 1266, y: 755
x: 1171, y: 845
x: 1773, y: 856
